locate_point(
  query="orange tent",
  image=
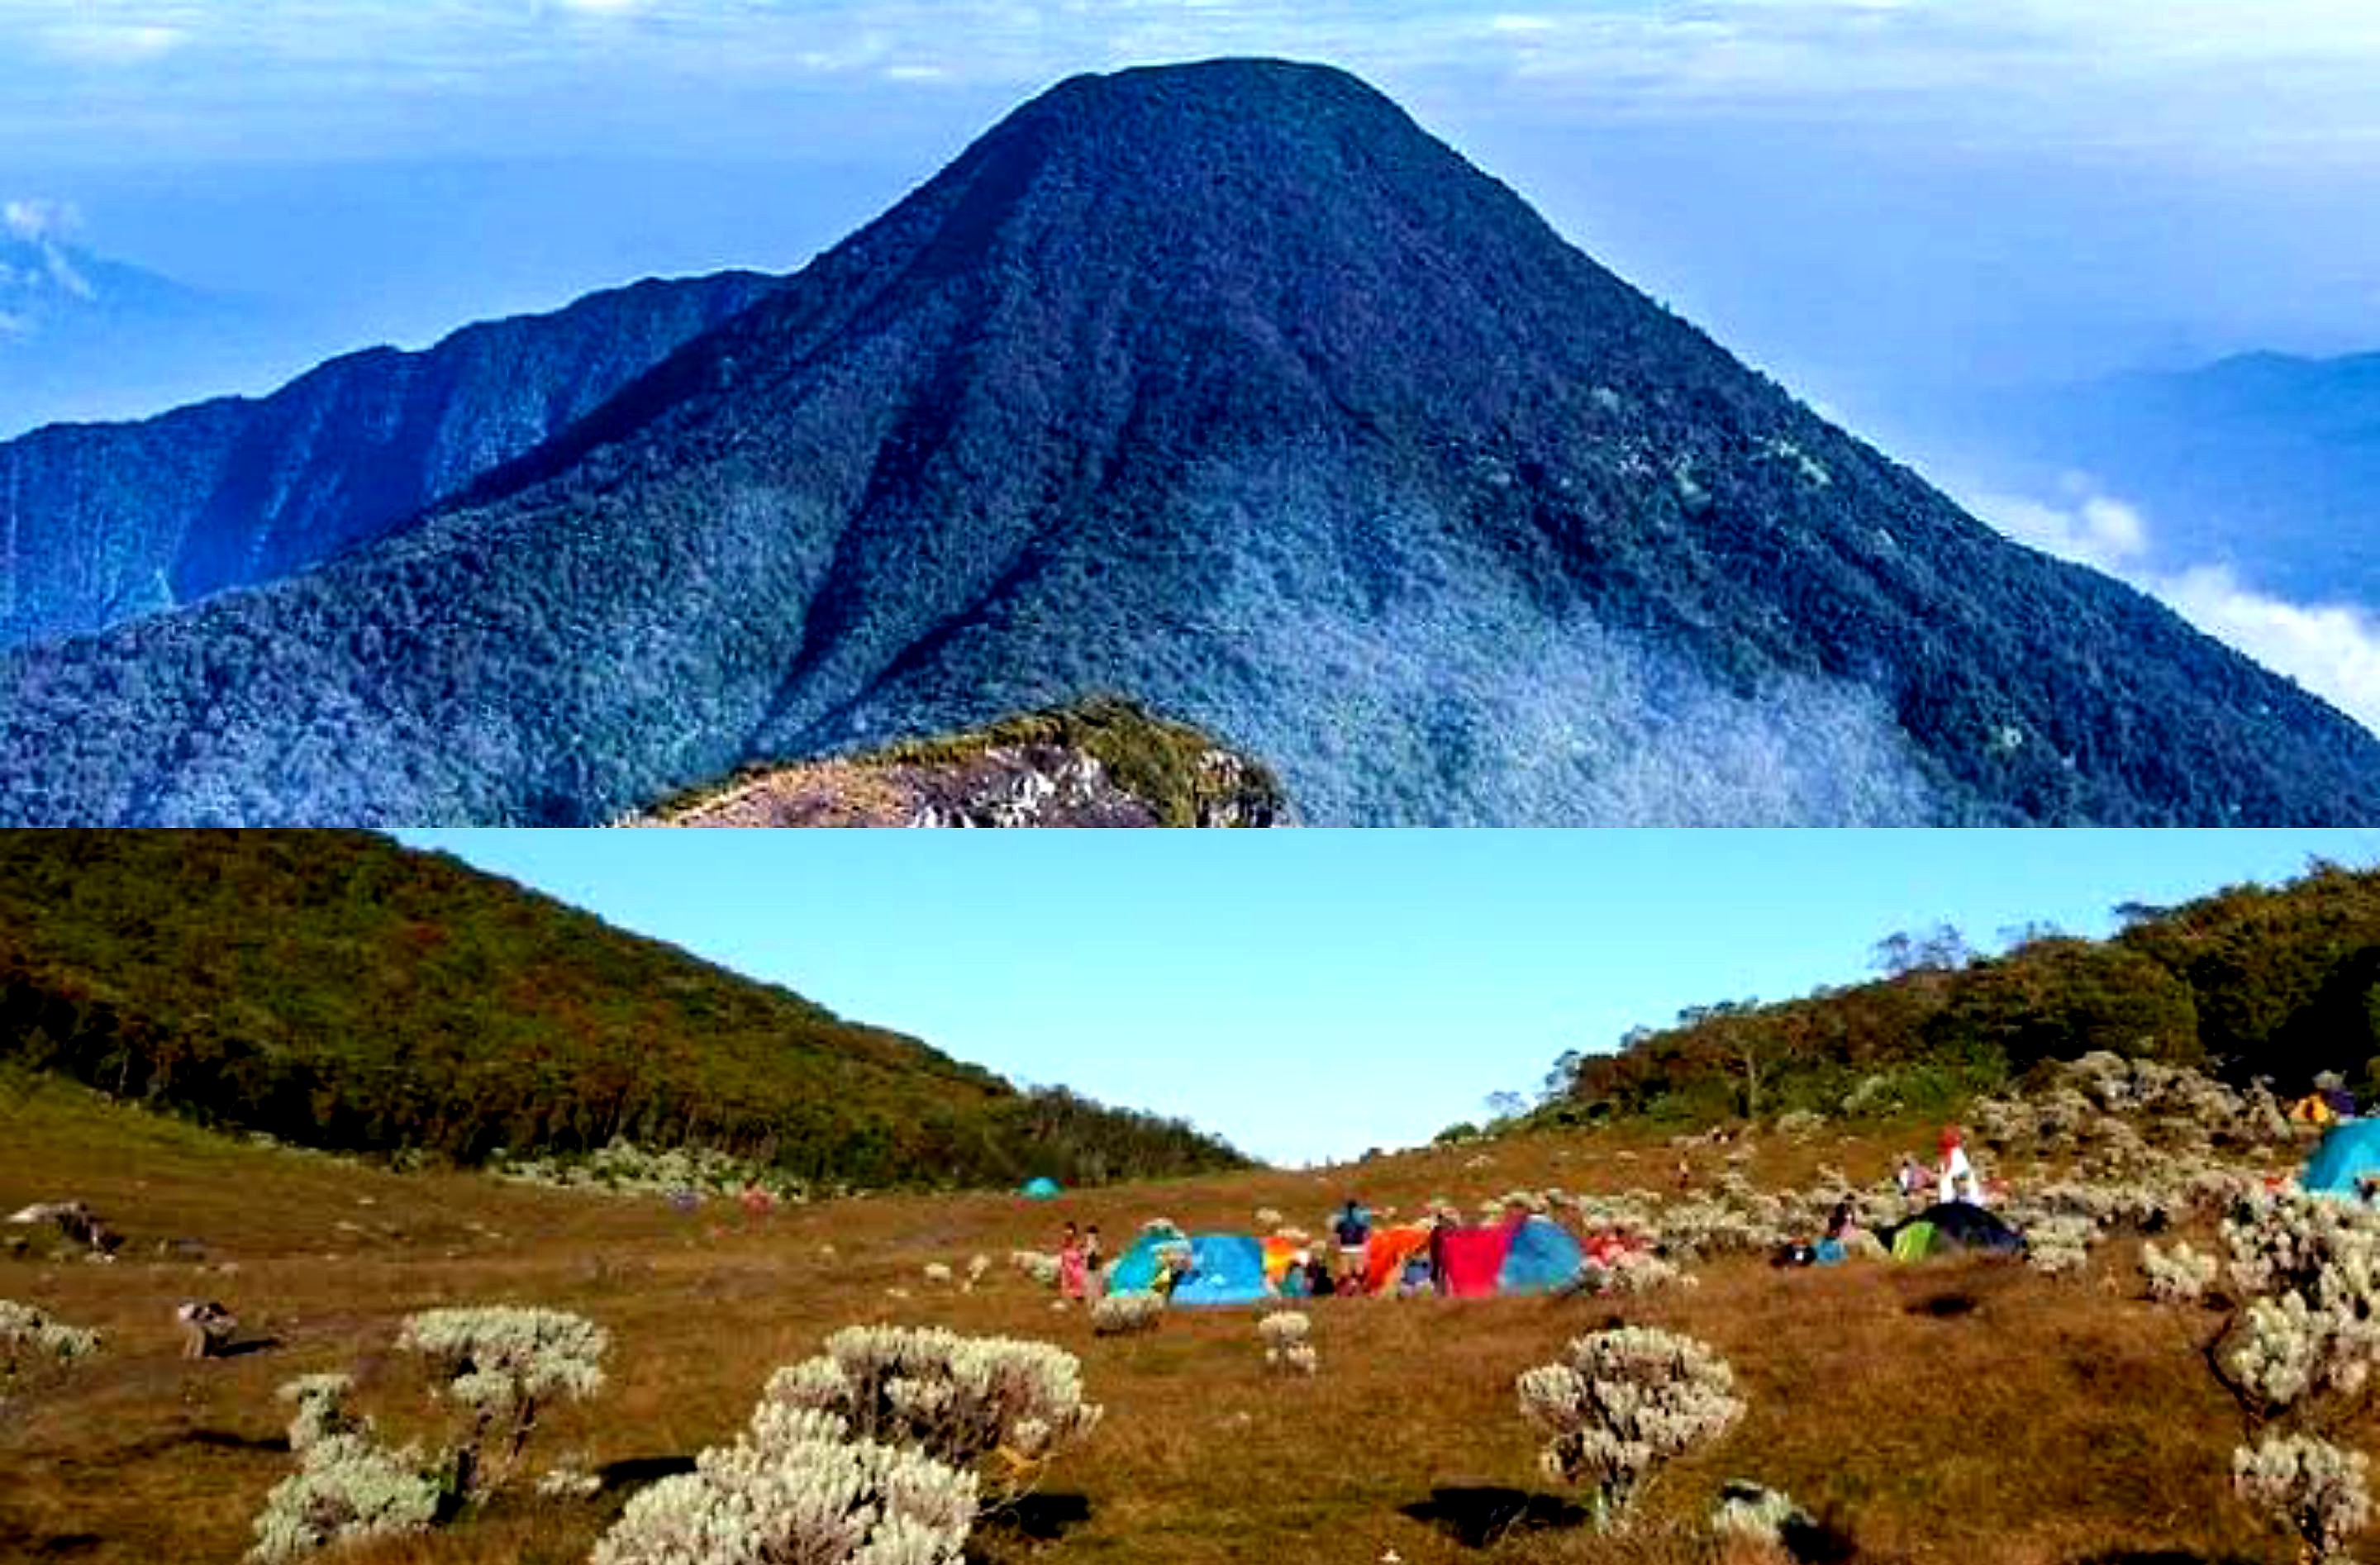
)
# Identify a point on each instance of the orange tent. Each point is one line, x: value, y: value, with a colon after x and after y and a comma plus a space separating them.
x: 1387, y: 1252
x: 1278, y: 1254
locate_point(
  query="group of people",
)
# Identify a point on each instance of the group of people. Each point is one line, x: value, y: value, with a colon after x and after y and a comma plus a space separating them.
x: 1078, y: 1264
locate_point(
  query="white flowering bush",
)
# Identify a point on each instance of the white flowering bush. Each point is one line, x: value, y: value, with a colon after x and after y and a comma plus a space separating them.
x: 624, y: 1168
x: 320, y: 1401
x: 29, y: 1336
x: 799, y: 1489
x: 504, y: 1365
x: 1756, y: 1514
x: 1628, y: 1400
x: 1799, y: 1123
x: 939, y: 1273
x: 345, y: 1488
x: 2060, y: 1246
x: 2298, y: 1356
x: 2178, y: 1275
x: 976, y: 1269
x: 1118, y: 1315
x: 1285, y: 1335
x: 2311, y: 1266
x: 2315, y: 1490
x: 994, y: 1406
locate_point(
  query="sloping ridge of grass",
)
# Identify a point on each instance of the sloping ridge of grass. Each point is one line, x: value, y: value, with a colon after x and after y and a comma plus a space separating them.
x: 336, y: 990
x: 2276, y: 981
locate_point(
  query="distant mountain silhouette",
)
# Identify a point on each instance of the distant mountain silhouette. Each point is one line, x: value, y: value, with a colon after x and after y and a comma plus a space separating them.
x: 80, y: 330
x: 1224, y: 388
x: 109, y: 521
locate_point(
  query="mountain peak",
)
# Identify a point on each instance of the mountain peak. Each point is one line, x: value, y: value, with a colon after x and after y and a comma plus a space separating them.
x: 1226, y: 388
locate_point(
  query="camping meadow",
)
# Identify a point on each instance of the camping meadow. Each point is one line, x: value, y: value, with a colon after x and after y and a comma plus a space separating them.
x: 1997, y: 1258
x: 1959, y: 1407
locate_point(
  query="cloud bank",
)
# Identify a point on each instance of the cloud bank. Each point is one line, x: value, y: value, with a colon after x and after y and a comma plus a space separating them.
x: 2332, y: 649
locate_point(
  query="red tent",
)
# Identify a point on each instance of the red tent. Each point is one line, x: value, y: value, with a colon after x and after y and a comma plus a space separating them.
x: 1474, y: 1257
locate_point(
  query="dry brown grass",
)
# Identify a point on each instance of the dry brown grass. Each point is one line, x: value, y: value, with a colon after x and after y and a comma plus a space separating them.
x: 2046, y: 1423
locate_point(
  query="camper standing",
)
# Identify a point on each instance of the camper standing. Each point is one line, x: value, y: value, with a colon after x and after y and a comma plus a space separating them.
x: 1958, y: 1176
x: 1352, y: 1230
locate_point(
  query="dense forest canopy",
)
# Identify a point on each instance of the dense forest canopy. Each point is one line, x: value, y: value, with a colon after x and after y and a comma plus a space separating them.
x: 337, y: 990
x: 2281, y: 982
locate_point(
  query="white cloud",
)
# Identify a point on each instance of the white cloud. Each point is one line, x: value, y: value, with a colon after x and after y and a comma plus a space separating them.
x: 112, y: 44
x: 2332, y: 649
x: 28, y: 219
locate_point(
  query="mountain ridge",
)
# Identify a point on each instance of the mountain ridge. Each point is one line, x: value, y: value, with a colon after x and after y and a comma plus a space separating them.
x: 137, y: 516
x: 341, y: 991
x: 1227, y: 388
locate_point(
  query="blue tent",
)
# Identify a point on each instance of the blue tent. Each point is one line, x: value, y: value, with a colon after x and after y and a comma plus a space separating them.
x: 1225, y: 1269
x: 1135, y: 1270
x: 2349, y: 1151
x: 1040, y: 1188
x: 1541, y: 1257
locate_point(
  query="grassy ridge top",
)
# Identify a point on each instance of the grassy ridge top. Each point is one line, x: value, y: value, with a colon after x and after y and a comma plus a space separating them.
x: 338, y: 990
x: 2280, y: 981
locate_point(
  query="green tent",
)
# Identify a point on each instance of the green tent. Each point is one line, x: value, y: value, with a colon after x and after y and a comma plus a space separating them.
x: 1912, y: 1241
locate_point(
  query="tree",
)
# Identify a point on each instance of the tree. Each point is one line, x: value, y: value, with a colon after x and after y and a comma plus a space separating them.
x: 1562, y: 1078
x: 1506, y: 1105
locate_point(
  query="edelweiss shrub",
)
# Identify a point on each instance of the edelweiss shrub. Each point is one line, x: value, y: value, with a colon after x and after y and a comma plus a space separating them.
x: 322, y: 1405
x: 2060, y: 1246
x: 1035, y: 1264
x: 1284, y: 1333
x: 1628, y: 1400
x: 937, y: 1273
x: 623, y: 1168
x: 2310, y: 1487
x: 29, y: 1337
x: 799, y: 1490
x: 2313, y: 1265
x: 2179, y: 1275
x: 345, y: 1488
x: 505, y: 1364
x: 1756, y: 1514
x: 962, y: 1400
x: 1118, y: 1315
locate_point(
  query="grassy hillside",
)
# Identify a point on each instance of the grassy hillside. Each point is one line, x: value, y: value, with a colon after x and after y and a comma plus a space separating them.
x: 337, y: 990
x: 1948, y: 1413
x: 2277, y: 981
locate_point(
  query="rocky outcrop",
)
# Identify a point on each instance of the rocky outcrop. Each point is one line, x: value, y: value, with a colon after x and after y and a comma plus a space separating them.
x: 1040, y: 770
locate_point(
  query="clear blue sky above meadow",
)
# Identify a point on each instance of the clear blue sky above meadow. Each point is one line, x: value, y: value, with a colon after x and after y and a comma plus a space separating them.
x: 1309, y: 994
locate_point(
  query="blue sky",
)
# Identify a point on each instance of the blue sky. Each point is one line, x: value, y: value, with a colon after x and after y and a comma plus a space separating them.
x: 1312, y: 993
x: 1883, y: 202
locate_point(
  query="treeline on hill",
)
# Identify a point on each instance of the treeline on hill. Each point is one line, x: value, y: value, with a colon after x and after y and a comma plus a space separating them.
x: 2253, y: 981
x: 336, y: 991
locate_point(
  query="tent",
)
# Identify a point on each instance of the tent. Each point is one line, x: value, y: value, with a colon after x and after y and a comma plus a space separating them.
x: 1135, y: 1270
x: 1539, y: 1258
x: 2342, y: 1102
x: 1954, y: 1225
x: 1041, y: 1187
x: 2349, y: 1152
x: 1225, y: 1269
x: 2312, y: 1109
x: 1387, y: 1251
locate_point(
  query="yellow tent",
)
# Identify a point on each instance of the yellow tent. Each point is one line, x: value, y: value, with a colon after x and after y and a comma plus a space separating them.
x: 2312, y: 1111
